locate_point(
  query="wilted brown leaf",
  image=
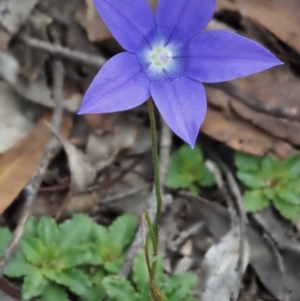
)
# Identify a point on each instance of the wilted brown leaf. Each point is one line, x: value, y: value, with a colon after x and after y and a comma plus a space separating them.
x: 279, y: 17
x: 226, y: 5
x: 241, y: 135
x: 277, y: 88
x: 19, y: 162
x: 277, y: 127
x: 96, y: 29
x: 83, y: 173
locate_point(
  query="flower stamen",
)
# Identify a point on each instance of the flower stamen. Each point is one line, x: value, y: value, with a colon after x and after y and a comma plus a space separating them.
x: 161, y: 56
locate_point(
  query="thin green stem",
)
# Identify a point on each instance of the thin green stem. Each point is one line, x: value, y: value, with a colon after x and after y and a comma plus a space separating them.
x: 156, y: 171
x: 156, y: 294
x: 151, y: 230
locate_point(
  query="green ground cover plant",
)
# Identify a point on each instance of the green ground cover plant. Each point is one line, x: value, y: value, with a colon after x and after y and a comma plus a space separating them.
x: 80, y: 258
x: 188, y: 171
x: 270, y: 181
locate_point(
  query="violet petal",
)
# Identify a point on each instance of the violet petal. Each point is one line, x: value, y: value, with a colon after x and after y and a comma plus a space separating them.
x: 120, y: 85
x: 218, y: 55
x: 181, y: 19
x: 182, y: 104
x: 128, y: 21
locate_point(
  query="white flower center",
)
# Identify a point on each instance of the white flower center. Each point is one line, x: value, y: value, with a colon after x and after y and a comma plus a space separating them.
x: 160, y: 56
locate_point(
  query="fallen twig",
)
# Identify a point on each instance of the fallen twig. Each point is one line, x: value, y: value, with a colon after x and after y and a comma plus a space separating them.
x: 122, y: 195
x: 88, y: 59
x: 235, y: 190
x: 164, y: 155
x: 33, y: 187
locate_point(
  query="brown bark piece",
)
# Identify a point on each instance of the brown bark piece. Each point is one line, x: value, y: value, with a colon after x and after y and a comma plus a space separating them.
x: 281, y: 128
x: 19, y: 162
x: 226, y: 5
x: 96, y: 29
x: 276, y: 88
x: 279, y: 17
x: 242, y: 136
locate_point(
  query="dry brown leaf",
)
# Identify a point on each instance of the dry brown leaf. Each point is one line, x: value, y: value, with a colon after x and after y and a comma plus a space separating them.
x: 278, y: 127
x: 241, y: 135
x: 83, y: 174
x: 19, y: 162
x: 275, y: 88
x: 226, y: 5
x: 279, y: 17
x: 96, y: 29
x: 126, y: 132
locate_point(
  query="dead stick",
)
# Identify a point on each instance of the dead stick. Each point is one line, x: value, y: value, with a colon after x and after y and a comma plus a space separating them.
x: 32, y: 188
x: 235, y: 190
x: 88, y: 59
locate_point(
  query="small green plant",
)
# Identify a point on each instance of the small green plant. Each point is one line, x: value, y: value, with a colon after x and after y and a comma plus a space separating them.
x: 187, y: 170
x: 178, y: 287
x: 268, y: 180
x: 81, y: 258
x: 71, y: 257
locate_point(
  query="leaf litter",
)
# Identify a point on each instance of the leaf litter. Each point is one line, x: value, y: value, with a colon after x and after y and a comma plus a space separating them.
x: 106, y: 157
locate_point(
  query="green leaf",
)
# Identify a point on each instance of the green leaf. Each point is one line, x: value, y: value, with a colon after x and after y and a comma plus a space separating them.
x: 186, y: 167
x: 75, y: 279
x: 31, y: 227
x: 145, y: 295
x: 33, y: 284
x: 33, y: 250
x: 269, y: 165
x: 122, y: 230
x: 119, y: 289
x: 48, y: 231
x: 96, y: 293
x: 255, y: 200
x: 287, y: 210
x: 269, y: 193
x: 176, y: 181
x: 54, y: 292
x: 100, y: 234
x: 289, y: 195
x: 74, y: 232
x: 180, y: 286
x: 72, y: 257
x: 207, y: 180
x: 140, y: 274
x: 97, y: 277
x: 5, y: 238
x: 18, y: 266
x: 247, y: 162
x: 194, y: 189
x: 251, y: 179
x: 112, y: 245
x: 291, y: 166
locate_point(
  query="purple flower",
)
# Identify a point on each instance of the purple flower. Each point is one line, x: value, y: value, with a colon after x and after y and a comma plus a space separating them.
x: 167, y: 57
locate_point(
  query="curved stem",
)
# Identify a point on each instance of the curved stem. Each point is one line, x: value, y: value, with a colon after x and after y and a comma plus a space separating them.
x: 156, y: 170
